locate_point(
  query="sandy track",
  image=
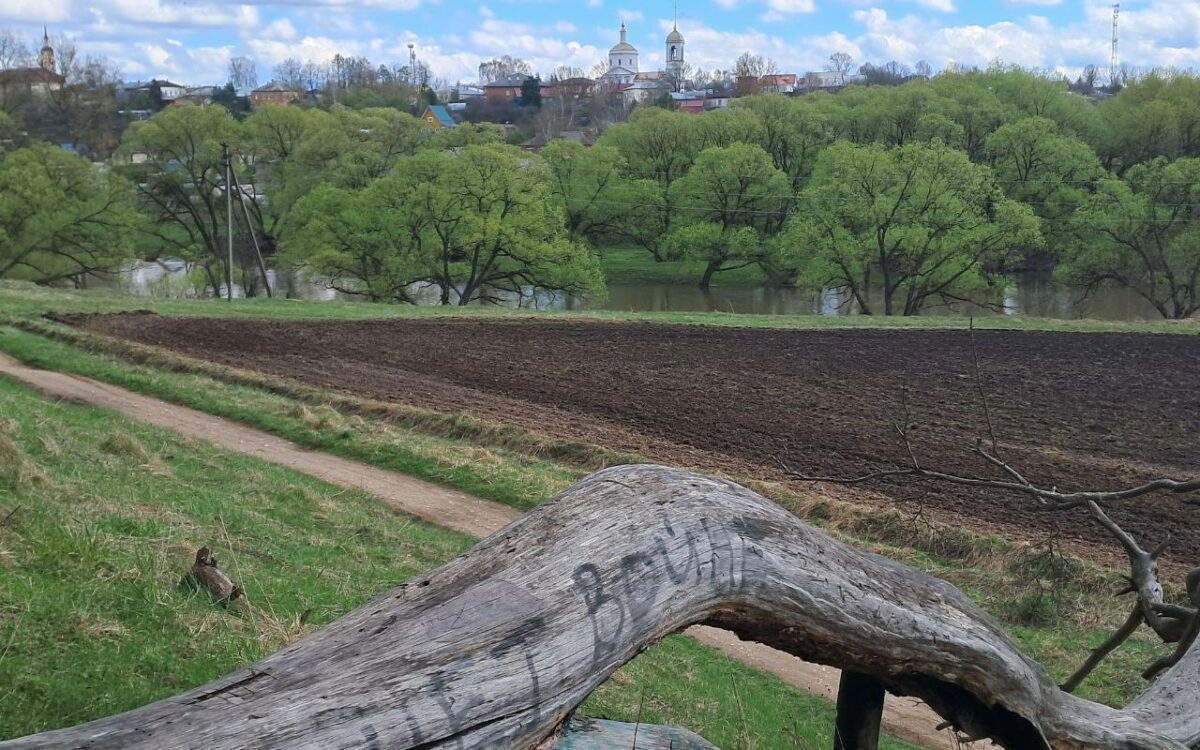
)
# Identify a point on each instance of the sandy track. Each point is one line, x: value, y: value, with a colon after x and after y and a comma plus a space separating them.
x: 904, y: 717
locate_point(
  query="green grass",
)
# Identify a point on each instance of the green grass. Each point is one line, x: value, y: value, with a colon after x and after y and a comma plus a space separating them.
x: 102, y: 516
x: 24, y: 300
x: 631, y: 265
x: 92, y: 618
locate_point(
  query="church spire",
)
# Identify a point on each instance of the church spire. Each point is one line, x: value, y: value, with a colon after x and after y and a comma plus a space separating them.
x: 46, y: 56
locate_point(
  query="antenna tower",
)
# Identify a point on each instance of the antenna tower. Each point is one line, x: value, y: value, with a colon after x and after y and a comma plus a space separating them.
x: 1112, y: 71
x: 413, y: 79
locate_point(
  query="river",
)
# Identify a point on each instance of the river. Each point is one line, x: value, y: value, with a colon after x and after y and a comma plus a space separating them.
x: 1035, y: 295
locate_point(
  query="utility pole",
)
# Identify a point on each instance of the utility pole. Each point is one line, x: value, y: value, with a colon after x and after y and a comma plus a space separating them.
x: 226, y: 162
x: 1112, y: 71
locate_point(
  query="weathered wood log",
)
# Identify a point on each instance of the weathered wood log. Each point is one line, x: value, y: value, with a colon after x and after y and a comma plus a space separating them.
x: 496, y: 649
x: 594, y: 734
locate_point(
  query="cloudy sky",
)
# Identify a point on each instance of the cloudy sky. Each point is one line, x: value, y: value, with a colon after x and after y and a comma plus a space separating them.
x: 192, y: 40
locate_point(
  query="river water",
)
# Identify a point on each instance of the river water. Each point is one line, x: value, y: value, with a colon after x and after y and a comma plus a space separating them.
x: 1035, y: 295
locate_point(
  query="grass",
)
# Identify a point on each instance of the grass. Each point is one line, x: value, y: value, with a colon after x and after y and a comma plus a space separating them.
x: 93, y: 619
x: 632, y: 265
x: 26, y: 301
x: 1069, y: 612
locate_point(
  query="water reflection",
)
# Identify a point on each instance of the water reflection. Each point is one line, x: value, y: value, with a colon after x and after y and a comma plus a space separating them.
x: 1035, y: 295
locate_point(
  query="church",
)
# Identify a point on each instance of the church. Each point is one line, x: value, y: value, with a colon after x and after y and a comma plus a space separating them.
x: 19, y: 83
x: 623, y: 69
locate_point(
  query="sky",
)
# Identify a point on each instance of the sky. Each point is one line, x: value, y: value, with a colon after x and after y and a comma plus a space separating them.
x: 191, y: 41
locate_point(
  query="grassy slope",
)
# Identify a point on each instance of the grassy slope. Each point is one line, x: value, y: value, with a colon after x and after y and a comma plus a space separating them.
x: 631, y: 265
x: 98, y: 530
x: 1057, y: 629
x: 25, y: 300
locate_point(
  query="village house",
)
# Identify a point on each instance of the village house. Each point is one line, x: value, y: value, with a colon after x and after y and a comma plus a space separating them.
x: 782, y: 83
x: 273, y: 93
x: 506, y: 89
x: 437, y: 117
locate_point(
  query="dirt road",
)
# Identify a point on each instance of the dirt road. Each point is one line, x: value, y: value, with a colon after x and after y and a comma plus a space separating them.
x: 1079, y: 411
x: 904, y: 717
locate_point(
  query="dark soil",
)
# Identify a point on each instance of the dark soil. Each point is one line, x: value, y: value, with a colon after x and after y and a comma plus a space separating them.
x: 1077, y: 411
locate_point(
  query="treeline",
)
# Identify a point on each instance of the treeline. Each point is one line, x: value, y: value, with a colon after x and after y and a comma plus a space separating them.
x: 908, y: 195
x: 901, y: 196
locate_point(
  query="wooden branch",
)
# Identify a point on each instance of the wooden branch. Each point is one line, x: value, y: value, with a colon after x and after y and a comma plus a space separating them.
x: 1101, y: 652
x: 497, y: 648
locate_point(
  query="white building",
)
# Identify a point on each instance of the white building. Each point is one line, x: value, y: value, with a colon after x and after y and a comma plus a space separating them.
x: 674, y: 56
x: 623, y: 68
x: 622, y: 61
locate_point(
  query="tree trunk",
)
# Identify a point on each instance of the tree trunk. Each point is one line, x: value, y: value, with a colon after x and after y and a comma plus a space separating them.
x: 497, y: 648
x: 709, y: 270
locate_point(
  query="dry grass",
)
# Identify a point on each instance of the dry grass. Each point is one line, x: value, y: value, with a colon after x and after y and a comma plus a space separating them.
x: 16, y: 469
x: 125, y: 446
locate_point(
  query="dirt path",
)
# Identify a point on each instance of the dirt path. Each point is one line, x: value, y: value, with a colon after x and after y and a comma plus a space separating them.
x: 904, y: 717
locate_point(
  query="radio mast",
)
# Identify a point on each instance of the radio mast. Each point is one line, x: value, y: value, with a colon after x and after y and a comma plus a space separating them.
x: 1112, y: 71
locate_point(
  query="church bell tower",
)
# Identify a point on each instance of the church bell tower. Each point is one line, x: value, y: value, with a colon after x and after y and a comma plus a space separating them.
x: 46, y: 56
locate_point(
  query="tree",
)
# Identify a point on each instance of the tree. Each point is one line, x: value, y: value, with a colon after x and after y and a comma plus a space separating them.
x: 62, y: 218
x: 502, y: 67
x: 290, y: 73
x: 545, y: 610
x: 841, y: 63
x: 727, y: 201
x: 658, y: 147
x: 478, y: 224
x: 1037, y: 165
x: 597, y: 200
x: 86, y: 103
x: 243, y: 74
x: 13, y: 52
x: 531, y: 93
x: 749, y: 70
x: 922, y: 221
x: 1141, y: 233
x: 181, y: 183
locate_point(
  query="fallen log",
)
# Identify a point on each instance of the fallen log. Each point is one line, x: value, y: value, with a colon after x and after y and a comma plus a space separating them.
x: 497, y: 648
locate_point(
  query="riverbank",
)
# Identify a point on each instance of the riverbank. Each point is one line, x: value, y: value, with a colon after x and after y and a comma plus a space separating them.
x: 21, y: 300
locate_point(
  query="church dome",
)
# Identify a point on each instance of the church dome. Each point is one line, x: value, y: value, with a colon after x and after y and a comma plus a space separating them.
x: 675, y: 37
x: 622, y: 48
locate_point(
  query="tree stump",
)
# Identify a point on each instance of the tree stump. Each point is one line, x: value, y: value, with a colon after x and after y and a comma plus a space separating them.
x: 497, y: 648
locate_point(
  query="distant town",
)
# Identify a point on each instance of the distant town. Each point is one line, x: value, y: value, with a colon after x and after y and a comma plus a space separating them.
x: 81, y: 101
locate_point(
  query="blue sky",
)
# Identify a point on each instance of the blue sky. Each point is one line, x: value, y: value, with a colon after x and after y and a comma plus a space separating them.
x: 192, y: 40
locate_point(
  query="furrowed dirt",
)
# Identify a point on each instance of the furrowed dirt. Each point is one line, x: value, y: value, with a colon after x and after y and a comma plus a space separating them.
x: 1077, y: 411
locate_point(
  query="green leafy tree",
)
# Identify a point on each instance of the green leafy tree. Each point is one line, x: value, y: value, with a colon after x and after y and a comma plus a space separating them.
x: 920, y: 221
x: 1053, y: 173
x: 61, y: 217
x: 480, y: 224
x: 345, y: 148
x: 589, y: 184
x: 181, y: 183
x: 658, y: 147
x: 791, y: 131
x: 1141, y: 233
x: 730, y: 198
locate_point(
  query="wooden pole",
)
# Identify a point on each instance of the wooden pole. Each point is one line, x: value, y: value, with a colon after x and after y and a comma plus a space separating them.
x: 225, y: 161
x: 859, y: 712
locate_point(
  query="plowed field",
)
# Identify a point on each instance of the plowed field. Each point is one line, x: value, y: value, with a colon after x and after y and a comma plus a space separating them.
x: 1079, y: 411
